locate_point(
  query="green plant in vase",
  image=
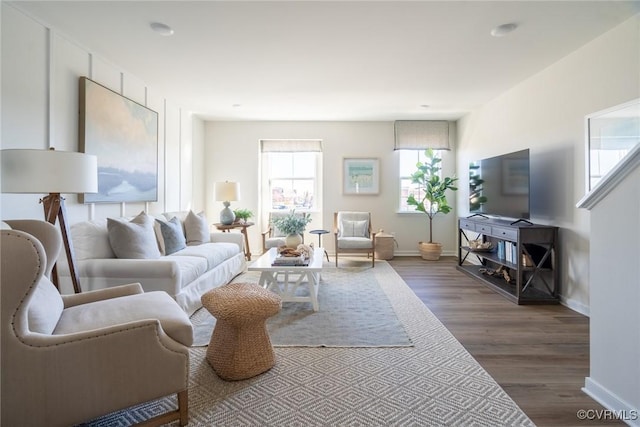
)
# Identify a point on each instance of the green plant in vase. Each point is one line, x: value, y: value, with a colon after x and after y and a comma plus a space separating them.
x: 434, y: 198
x: 293, y: 224
x: 242, y: 215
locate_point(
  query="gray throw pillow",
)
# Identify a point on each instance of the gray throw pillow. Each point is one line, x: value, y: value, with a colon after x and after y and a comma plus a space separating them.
x: 355, y: 228
x: 196, y: 229
x: 133, y: 239
x: 172, y: 236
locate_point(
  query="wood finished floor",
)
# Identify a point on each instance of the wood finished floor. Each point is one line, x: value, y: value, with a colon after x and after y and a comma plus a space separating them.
x: 538, y: 354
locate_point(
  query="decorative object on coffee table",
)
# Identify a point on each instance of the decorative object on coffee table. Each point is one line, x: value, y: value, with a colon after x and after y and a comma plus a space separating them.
x: 240, y: 346
x: 293, y: 224
x: 227, y: 192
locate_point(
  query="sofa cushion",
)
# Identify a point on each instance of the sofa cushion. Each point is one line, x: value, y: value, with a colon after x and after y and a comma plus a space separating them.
x: 214, y: 253
x: 91, y: 240
x: 133, y: 239
x: 150, y: 305
x: 190, y: 267
x: 196, y: 229
x: 171, y: 238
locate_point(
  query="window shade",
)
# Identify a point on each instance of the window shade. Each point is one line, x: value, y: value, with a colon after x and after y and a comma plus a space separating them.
x: 290, y: 145
x: 421, y: 134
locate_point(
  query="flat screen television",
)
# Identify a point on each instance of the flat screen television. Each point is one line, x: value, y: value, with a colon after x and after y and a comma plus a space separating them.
x: 499, y: 186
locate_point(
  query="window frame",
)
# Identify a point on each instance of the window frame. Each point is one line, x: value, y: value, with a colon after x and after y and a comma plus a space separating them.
x: 402, y: 207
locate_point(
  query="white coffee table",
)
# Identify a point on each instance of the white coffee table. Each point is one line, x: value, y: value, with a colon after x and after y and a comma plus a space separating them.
x: 285, y: 280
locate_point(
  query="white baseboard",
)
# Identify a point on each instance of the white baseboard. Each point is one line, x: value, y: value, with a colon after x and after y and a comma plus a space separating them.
x: 575, y: 306
x: 621, y: 409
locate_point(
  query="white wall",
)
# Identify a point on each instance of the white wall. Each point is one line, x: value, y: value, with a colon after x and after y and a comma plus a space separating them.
x: 232, y: 153
x: 546, y: 114
x: 40, y: 72
x: 614, y: 378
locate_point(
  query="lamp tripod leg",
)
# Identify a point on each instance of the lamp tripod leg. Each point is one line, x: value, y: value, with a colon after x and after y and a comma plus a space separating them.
x: 54, y: 208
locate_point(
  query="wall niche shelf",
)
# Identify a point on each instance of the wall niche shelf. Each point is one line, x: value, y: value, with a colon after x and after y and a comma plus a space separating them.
x: 526, y: 252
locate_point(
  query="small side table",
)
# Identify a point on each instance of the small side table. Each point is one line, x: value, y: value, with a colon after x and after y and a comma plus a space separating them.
x: 243, y: 229
x: 320, y: 233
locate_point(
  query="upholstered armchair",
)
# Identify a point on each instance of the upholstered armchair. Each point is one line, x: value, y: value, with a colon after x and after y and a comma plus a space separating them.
x: 273, y: 237
x: 70, y: 358
x: 352, y: 231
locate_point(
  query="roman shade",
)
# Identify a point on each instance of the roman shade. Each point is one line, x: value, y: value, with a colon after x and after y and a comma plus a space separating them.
x: 421, y: 134
x: 290, y: 145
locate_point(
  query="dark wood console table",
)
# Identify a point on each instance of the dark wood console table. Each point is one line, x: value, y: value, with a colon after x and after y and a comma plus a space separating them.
x: 532, y: 263
x: 243, y: 229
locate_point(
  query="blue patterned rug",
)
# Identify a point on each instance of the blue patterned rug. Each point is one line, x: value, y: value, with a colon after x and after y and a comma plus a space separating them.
x: 353, y: 311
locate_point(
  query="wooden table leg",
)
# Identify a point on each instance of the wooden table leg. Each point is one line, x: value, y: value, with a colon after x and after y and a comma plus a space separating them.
x: 247, y: 251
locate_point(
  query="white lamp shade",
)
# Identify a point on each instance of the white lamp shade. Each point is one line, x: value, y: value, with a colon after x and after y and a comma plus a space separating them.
x: 227, y: 191
x: 48, y: 171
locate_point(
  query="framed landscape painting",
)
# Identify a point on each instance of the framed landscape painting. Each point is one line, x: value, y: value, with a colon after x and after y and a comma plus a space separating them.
x: 124, y: 136
x: 361, y: 176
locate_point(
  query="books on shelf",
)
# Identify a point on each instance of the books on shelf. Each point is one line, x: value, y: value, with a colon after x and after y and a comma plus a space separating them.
x: 507, y: 251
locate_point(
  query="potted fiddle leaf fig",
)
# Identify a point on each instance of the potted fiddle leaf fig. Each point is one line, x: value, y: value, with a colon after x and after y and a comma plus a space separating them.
x: 433, y: 200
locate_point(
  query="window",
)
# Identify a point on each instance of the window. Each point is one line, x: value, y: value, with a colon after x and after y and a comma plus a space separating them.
x: 408, y: 160
x: 291, y: 175
x: 292, y: 180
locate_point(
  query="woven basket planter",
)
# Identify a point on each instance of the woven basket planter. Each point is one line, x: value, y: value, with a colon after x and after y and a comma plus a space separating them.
x: 430, y: 251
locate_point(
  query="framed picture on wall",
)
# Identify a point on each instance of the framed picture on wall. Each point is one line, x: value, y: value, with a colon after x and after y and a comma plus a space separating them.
x: 124, y: 136
x: 361, y: 176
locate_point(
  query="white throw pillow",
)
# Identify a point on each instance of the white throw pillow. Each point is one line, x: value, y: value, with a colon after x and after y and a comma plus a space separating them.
x: 355, y: 228
x: 91, y: 240
x: 196, y: 229
x: 133, y: 239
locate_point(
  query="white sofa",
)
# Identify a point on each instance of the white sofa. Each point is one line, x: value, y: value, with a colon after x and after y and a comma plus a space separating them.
x: 185, y: 275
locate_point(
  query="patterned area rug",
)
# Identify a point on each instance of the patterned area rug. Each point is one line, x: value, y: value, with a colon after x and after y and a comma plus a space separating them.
x: 434, y: 383
x: 353, y: 311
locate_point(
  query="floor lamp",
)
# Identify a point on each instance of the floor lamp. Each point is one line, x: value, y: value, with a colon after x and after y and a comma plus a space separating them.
x: 53, y: 172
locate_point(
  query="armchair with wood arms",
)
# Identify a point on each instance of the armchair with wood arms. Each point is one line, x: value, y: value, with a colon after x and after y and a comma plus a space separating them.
x: 352, y: 232
x: 67, y: 359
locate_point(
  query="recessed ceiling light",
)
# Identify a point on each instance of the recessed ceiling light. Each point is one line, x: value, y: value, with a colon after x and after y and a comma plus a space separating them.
x: 162, y: 29
x: 503, y: 30
x: 424, y: 105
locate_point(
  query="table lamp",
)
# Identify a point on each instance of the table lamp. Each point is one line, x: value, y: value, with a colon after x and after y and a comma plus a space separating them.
x: 226, y: 192
x: 53, y: 172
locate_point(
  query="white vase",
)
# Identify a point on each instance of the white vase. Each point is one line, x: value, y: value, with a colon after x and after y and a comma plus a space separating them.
x: 293, y: 240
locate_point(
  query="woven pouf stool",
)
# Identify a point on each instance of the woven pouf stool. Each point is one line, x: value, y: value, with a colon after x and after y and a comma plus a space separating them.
x: 240, y: 346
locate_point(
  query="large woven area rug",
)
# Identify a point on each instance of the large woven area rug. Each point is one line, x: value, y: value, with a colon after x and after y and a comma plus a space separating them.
x: 354, y: 311
x: 436, y: 382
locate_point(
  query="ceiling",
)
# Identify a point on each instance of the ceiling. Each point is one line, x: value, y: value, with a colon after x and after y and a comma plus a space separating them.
x: 323, y: 60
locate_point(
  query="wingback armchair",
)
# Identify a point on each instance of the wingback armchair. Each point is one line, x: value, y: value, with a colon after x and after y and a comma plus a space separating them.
x: 352, y: 232
x: 70, y: 358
